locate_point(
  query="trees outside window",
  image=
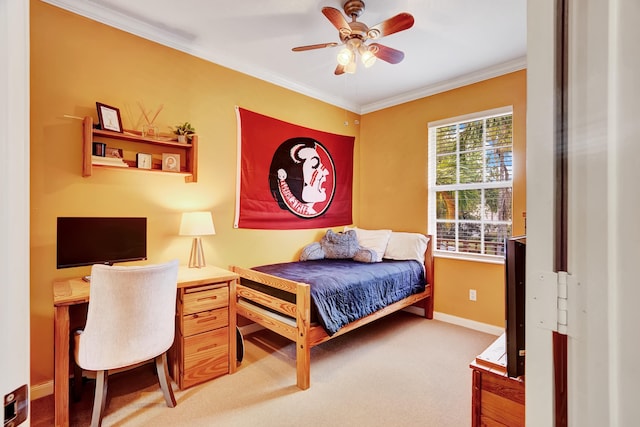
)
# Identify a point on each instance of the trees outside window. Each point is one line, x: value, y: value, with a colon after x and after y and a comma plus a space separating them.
x: 470, y: 182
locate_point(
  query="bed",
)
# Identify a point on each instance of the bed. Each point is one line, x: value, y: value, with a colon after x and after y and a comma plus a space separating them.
x: 284, y: 298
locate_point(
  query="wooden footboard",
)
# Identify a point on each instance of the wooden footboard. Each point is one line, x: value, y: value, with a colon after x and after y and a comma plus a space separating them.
x: 279, y: 314
x: 290, y: 314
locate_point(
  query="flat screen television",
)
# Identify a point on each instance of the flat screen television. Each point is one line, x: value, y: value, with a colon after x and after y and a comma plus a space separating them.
x: 100, y: 240
x: 515, y: 257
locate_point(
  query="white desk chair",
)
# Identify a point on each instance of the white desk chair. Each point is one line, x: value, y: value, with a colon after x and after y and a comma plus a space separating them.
x: 130, y: 319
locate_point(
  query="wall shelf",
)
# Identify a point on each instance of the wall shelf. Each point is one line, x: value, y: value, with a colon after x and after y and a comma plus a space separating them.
x: 132, y: 142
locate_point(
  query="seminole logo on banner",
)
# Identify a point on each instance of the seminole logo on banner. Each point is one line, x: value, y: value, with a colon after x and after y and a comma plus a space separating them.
x: 291, y: 177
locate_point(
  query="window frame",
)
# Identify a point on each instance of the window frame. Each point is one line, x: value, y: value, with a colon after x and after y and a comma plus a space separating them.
x: 433, y: 188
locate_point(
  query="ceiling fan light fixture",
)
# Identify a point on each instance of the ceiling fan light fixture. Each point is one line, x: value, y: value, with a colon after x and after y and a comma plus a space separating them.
x: 345, y: 56
x: 355, y: 34
x: 350, y: 68
x: 367, y: 57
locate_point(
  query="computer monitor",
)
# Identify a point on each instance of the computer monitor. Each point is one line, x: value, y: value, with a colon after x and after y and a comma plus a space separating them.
x: 100, y: 240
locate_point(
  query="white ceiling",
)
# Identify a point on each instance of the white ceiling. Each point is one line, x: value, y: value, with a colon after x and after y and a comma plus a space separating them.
x: 452, y: 43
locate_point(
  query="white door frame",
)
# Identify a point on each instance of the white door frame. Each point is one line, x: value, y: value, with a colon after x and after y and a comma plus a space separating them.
x: 604, y: 213
x: 14, y: 195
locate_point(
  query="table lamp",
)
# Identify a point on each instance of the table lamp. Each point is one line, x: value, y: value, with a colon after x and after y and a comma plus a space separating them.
x: 197, y: 224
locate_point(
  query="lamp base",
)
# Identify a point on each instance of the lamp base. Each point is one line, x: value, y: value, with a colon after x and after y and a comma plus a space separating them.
x: 196, y: 259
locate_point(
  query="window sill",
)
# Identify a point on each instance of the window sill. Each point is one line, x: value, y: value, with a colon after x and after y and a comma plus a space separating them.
x: 487, y: 259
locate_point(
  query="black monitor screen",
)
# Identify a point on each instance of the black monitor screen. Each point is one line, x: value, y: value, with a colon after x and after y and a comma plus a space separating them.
x: 100, y: 240
x: 515, y: 268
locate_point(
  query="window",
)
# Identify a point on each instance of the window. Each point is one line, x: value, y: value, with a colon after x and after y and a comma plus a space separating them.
x: 470, y: 183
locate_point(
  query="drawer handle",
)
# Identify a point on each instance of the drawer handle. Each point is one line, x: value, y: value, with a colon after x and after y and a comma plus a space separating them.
x: 208, y: 313
x: 206, y: 298
x: 207, y: 347
x: 207, y: 319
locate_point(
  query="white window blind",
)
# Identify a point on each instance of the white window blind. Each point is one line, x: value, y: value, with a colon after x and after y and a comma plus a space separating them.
x: 470, y: 183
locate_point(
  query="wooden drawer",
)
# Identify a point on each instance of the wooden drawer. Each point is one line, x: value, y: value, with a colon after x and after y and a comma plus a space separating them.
x: 504, y: 387
x: 497, y: 400
x: 194, y: 302
x: 206, y: 356
x: 197, y: 323
x: 500, y: 411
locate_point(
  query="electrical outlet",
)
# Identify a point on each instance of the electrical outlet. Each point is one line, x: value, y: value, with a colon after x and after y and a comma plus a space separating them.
x: 472, y: 294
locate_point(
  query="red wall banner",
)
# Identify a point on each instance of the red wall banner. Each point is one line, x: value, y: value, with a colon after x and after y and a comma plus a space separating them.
x: 291, y: 177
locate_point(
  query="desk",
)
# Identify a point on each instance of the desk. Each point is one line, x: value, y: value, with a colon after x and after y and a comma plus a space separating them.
x: 68, y: 293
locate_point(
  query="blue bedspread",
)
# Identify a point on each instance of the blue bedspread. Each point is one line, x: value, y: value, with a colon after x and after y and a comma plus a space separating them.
x: 343, y: 291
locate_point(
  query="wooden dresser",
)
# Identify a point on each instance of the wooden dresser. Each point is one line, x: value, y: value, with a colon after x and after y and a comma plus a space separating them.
x: 497, y: 399
x: 204, y: 345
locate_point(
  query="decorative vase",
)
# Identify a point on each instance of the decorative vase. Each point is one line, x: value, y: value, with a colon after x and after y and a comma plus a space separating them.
x: 150, y: 131
x: 182, y: 139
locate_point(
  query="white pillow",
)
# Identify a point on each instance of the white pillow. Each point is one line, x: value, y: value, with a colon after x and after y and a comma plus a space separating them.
x: 372, y: 239
x: 403, y: 246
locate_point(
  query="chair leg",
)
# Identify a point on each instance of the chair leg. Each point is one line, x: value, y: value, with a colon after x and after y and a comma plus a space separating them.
x: 77, y: 382
x: 100, y: 399
x: 165, y: 382
x: 77, y: 370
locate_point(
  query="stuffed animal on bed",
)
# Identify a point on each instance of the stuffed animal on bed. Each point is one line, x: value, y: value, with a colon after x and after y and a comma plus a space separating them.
x: 338, y: 246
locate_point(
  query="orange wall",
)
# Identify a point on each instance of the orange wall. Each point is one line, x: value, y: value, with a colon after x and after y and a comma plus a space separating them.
x: 76, y: 62
x: 393, y: 192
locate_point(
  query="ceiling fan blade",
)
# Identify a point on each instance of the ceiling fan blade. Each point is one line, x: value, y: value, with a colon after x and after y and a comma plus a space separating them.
x: 339, y: 70
x: 337, y: 19
x: 314, y: 46
x: 400, y: 22
x: 388, y: 54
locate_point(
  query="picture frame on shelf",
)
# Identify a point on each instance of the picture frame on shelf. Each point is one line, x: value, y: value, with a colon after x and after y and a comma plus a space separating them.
x: 114, y: 152
x: 171, y: 162
x: 143, y: 160
x: 109, y: 117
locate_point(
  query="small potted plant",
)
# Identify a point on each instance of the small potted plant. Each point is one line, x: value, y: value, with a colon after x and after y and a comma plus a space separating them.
x: 184, y: 132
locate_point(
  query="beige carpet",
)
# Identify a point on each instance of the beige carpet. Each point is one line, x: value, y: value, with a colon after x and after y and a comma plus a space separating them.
x: 403, y: 370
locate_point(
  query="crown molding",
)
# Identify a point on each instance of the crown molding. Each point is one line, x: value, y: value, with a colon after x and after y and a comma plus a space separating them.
x: 114, y: 18
x: 464, y: 80
x: 185, y: 42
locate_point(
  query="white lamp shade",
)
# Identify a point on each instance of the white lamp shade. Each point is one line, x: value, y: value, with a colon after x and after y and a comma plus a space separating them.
x: 345, y: 56
x: 367, y: 57
x: 197, y: 224
x: 350, y: 68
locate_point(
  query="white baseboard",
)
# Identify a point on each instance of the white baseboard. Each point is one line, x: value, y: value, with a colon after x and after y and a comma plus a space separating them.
x: 471, y: 324
x: 41, y: 390
x: 44, y: 389
x: 460, y: 321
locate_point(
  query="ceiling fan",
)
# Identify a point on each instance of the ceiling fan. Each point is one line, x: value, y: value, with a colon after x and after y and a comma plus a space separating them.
x: 354, y: 35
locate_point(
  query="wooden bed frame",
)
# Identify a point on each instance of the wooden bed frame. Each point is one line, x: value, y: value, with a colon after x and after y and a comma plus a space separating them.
x: 294, y: 323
